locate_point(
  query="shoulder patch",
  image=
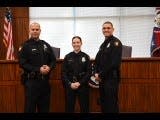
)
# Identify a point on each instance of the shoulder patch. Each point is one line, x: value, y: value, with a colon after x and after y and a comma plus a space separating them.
x: 116, y: 43
x: 20, y: 48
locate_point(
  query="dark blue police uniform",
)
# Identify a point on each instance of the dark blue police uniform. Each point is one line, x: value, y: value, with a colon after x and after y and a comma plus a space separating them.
x: 76, y: 69
x: 32, y: 55
x: 107, y: 62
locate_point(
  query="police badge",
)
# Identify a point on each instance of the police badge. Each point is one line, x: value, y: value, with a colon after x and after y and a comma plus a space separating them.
x: 108, y: 45
x: 83, y: 59
x: 44, y: 47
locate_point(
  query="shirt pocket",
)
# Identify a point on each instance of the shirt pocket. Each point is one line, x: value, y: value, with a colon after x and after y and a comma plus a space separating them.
x: 107, y: 50
x: 34, y: 52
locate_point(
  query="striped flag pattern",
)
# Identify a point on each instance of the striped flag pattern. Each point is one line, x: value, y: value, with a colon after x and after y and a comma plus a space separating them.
x: 7, y: 35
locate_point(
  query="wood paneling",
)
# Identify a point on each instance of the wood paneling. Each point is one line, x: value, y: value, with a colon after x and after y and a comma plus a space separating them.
x: 139, y: 88
x: 22, y: 12
x: 7, y: 98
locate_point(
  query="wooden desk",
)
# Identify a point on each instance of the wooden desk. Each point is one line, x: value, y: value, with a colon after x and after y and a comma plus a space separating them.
x: 139, y: 88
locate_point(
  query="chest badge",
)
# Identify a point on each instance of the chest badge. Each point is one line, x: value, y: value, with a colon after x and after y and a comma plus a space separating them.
x: 34, y: 49
x: 108, y: 45
x: 83, y: 59
x: 44, y: 47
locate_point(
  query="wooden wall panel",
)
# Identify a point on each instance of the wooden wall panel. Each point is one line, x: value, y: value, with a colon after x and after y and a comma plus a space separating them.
x: 138, y: 92
x: 154, y: 70
x: 139, y: 97
x: 8, y: 71
x: 20, y: 98
x: 94, y: 100
x: 7, y: 99
x: 17, y: 12
x: 130, y: 70
x: 20, y: 32
x: 57, y: 96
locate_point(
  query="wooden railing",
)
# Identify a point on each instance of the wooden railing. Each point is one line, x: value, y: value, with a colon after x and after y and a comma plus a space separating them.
x: 139, y: 88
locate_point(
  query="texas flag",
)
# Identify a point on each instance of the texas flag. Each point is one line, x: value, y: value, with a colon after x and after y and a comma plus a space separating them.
x: 155, y: 42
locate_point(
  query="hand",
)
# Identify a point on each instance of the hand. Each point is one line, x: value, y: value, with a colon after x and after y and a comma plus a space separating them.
x: 44, y: 69
x: 75, y: 85
x: 97, y: 77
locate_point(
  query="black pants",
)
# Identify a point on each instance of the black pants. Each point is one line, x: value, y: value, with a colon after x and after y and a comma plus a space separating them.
x: 37, y: 93
x: 109, y: 97
x: 83, y: 96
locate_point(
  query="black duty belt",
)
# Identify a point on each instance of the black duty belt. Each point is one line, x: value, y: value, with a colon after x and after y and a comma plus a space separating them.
x: 35, y: 76
x: 76, y: 78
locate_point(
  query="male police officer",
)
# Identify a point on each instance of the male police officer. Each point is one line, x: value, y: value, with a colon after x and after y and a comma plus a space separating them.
x: 75, y: 76
x: 37, y: 59
x: 108, y: 60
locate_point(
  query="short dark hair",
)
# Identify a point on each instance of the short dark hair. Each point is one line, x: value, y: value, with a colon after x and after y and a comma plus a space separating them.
x: 77, y: 37
x: 108, y: 22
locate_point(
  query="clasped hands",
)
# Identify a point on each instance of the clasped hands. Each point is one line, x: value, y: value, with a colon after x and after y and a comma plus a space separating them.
x: 44, y: 69
x: 97, y: 77
x: 75, y: 85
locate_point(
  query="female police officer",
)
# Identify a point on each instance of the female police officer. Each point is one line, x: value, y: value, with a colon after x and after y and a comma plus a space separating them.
x: 75, y: 77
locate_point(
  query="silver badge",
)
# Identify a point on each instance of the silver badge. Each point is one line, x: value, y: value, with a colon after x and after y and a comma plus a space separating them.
x: 83, y: 59
x: 34, y: 49
x: 108, y: 45
x: 45, y: 47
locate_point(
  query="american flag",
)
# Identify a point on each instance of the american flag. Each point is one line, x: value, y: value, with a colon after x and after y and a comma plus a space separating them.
x: 155, y: 42
x: 7, y: 35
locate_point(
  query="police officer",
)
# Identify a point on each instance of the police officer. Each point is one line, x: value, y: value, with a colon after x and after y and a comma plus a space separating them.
x: 75, y: 76
x: 37, y: 60
x: 108, y: 60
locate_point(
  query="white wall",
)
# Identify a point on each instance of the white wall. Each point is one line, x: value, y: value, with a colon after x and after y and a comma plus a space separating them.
x: 133, y: 26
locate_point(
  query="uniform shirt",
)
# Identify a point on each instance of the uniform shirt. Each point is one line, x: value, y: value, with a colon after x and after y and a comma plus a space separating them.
x: 75, y: 64
x: 108, y: 58
x: 33, y: 54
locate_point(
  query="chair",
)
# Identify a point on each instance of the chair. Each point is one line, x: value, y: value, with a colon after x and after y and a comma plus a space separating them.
x: 126, y: 51
x: 56, y: 51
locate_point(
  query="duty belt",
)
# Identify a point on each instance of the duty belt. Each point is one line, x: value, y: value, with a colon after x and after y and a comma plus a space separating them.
x: 35, y: 75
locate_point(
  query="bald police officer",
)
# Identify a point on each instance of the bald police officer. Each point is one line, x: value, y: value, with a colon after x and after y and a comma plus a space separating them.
x: 108, y: 61
x: 37, y: 60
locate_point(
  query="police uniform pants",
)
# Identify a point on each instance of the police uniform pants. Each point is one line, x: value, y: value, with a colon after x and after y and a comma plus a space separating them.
x: 83, y: 96
x: 109, y: 97
x: 37, y: 93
